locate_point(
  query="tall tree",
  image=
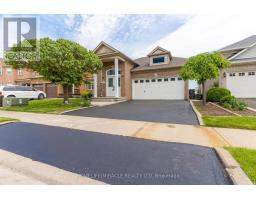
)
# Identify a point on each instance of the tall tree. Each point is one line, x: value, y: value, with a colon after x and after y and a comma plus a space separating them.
x: 61, y: 61
x: 203, y: 67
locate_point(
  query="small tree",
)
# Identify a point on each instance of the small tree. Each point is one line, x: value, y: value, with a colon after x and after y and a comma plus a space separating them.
x: 203, y: 67
x: 61, y: 61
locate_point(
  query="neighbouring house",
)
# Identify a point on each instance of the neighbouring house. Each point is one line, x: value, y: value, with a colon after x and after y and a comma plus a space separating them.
x: 10, y: 76
x: 240, y: 78
x: 155, y: 76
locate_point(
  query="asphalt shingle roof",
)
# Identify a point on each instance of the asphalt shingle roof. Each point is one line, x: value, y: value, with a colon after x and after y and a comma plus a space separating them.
x: 242, y: 44
x: 144, y: 64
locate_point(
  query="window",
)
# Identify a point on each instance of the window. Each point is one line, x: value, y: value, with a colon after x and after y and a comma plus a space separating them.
x: 179, y: 78
x: 20, y: 72
x: 110, y: 82
x: 159, y: 80
x: 172, y: 79
x: 1, y: 71
x: 241, y: 74
x: 112, y: 72
x: 141, y: 81
x: 9, y: 71
x: 232, y: 74
x: 153, y: 80
x: 159, y: 60
x: 90, y: 86
x: 165, y: 79
x: 36, y: 74
x: 251, y: 73
x: 147, y: 81
x: 136, y: 81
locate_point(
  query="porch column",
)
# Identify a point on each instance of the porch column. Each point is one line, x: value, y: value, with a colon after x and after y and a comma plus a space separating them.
x: 95, y: 85
x: 116, y: 78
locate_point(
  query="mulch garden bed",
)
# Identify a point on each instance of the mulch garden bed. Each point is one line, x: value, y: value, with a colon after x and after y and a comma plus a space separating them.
x: 212, y: 110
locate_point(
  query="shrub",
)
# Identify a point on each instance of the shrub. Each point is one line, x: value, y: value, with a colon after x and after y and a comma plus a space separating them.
x: 215, y: 94
x: 231, y: 102
x: 86, y: 98
x: 86, y: 95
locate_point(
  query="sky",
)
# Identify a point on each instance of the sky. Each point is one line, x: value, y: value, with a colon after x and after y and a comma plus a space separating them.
x: 136, y: 35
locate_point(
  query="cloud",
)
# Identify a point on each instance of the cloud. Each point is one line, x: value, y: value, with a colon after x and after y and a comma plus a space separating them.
x: 206, y: 33
x: 95, y: 28
x: 70, y: 20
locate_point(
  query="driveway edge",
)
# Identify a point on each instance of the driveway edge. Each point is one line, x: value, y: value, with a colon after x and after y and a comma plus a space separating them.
x: 8, y: 122
x: 198, y: 114
x: 232, y: 167
x: 43, y: 172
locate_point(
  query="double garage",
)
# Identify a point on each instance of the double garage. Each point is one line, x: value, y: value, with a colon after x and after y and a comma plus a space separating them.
x: 242, y: 84
x: 166, y: 88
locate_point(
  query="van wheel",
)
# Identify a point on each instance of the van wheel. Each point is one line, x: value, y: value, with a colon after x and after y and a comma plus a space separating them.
x: 10, y: 96
x: 40, y: 96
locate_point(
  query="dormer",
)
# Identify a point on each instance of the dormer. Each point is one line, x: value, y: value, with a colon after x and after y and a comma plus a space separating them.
x: 159, y: 56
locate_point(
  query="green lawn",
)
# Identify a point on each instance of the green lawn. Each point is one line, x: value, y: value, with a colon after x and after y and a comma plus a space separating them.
x: 247, y: 160
x: 231, y: 122
x: 4, y: 119
x: 47, y: 106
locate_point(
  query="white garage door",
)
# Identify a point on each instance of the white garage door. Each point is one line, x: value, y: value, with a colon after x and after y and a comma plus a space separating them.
x: 158, y: 88
x: 242, y: 85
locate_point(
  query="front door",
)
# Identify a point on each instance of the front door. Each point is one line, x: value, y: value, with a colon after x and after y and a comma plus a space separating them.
x: 111, y: 86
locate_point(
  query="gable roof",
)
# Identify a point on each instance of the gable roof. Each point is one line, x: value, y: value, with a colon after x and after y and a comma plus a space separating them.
x: 110, y: 51
x: 144, y: 64
x: 159, y: 51
x: 242, y: 44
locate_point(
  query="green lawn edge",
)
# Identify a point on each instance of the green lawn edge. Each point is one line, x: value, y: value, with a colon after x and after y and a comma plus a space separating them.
x: 237, y: 122
x: 6, y: 119
x: 55, y: 106
x: 247, y: 160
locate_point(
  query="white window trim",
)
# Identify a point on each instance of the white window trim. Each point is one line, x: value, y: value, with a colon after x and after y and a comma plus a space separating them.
x: 166, y: 60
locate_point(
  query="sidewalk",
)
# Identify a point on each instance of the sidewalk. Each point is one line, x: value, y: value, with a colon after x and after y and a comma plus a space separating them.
x: 147, y: 130
x: 18, y: 170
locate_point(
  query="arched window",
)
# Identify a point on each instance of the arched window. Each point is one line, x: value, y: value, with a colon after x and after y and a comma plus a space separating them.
x: 112, y: 72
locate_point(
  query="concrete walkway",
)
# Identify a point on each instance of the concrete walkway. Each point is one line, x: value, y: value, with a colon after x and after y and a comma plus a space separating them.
x: 190, y: 134
x: 19, y: 170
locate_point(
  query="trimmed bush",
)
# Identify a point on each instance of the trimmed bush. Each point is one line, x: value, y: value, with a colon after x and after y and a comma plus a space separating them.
x: 215, y: 94
x: 231, y: 102
x: 86, y: 98
x: 86, y: 95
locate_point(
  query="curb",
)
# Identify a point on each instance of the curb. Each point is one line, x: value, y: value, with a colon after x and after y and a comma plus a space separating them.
x: 8, y: 122
x: 198, y: 114
x: 43, y: 172
x: 252, y: 109
x: 236, y: 174
x: 227, y: 110
x: 61, y: 113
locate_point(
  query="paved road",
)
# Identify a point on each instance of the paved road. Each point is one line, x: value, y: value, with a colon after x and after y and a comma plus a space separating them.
x: 114, y: 159
x: 165, y: 111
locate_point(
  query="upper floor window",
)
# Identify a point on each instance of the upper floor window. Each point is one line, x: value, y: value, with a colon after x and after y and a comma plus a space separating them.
x: 20, y: 72
x: 112, y: 72
x: 9, y: 71
x: 36, y: 74
x: 159, y: 60
x: 90, y: 86
x: 1, y: 71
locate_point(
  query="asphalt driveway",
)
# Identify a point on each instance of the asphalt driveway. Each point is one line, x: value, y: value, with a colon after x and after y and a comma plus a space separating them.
x: 164, y: 111
x: 114, y: 159
x: 251, y: 102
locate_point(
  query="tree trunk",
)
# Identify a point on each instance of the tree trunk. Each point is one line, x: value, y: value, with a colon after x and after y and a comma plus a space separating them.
x: 204, y: 93
x: 65, y: 93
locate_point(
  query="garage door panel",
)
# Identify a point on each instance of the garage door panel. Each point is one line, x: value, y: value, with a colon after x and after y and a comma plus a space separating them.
x: 159, y: 90
x: 242, y: 86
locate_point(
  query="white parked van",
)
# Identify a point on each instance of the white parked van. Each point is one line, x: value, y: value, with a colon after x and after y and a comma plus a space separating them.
x: 21, y: 92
